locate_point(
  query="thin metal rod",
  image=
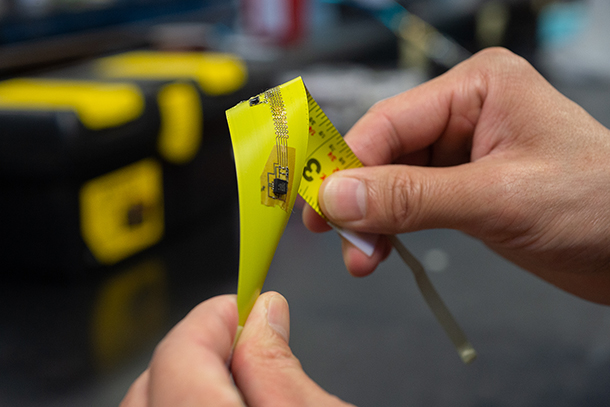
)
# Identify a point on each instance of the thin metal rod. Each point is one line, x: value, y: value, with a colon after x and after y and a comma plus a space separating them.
x: 436, y: 304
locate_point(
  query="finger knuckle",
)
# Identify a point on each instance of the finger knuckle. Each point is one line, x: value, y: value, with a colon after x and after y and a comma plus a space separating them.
x: 498, y: 62
x: 509, y: 214
x: 161, y: 356
x: 160, y: 350
x: 495, y: 53
x: 272, y: 357
x: 399, y: 196
x: 379, y: 106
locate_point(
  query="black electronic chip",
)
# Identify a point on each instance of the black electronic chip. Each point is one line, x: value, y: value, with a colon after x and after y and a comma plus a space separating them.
x: 280, y: 186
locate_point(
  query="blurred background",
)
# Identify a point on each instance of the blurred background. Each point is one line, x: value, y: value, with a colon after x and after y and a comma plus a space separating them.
x: 118, y: 202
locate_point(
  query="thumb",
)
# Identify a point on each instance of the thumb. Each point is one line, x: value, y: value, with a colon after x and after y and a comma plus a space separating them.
x: 264, y: 368
x: 395, y: 199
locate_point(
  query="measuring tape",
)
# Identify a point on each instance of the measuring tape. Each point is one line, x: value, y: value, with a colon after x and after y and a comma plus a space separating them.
x: 326, y: 153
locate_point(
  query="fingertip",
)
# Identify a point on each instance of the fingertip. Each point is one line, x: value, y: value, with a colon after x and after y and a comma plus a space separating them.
x: 224, y: 306
x: 278, y: 316
x: 264, y: 367
x: 385, y: 248
x: 313, y: 221
x: 358, y: 264
x: 270, y: 311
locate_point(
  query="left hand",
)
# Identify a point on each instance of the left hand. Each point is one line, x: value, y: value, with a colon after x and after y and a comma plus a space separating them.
x: 189, y: 367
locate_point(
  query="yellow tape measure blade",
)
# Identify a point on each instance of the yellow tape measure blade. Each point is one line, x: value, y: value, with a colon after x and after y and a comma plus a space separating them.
x: 269, y: 139
x: 327, y: 153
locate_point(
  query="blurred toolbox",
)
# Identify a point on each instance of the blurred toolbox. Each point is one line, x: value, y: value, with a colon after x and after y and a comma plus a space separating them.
x: 96, y: 170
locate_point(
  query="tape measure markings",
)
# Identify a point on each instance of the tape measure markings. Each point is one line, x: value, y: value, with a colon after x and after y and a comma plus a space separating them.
x: 317, y: 148
x: 351, y: 164
x: 326, y: 121
x: 345, y: 148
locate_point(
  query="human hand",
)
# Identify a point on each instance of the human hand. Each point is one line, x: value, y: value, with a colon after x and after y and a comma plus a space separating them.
x: 189, y: 367
x: 492, y: 149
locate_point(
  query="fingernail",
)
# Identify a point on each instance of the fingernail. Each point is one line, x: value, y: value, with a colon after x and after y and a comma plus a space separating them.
x: 278, y: 316
x: 344, y: 199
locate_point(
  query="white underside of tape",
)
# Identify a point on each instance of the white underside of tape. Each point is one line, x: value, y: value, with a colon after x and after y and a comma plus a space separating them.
x: 366, y: 242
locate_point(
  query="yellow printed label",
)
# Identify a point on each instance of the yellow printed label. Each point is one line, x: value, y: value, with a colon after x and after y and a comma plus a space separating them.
x: 97, y: 105
x: 181, y: 122
x: 216, y: 73
x: 122, y: 211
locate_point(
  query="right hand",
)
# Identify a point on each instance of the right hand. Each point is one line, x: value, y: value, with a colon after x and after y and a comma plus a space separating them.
x: 492, y: 149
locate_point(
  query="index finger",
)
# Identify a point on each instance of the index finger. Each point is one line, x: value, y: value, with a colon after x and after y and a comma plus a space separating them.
x: 434, y: 123
x: 189, y: 365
